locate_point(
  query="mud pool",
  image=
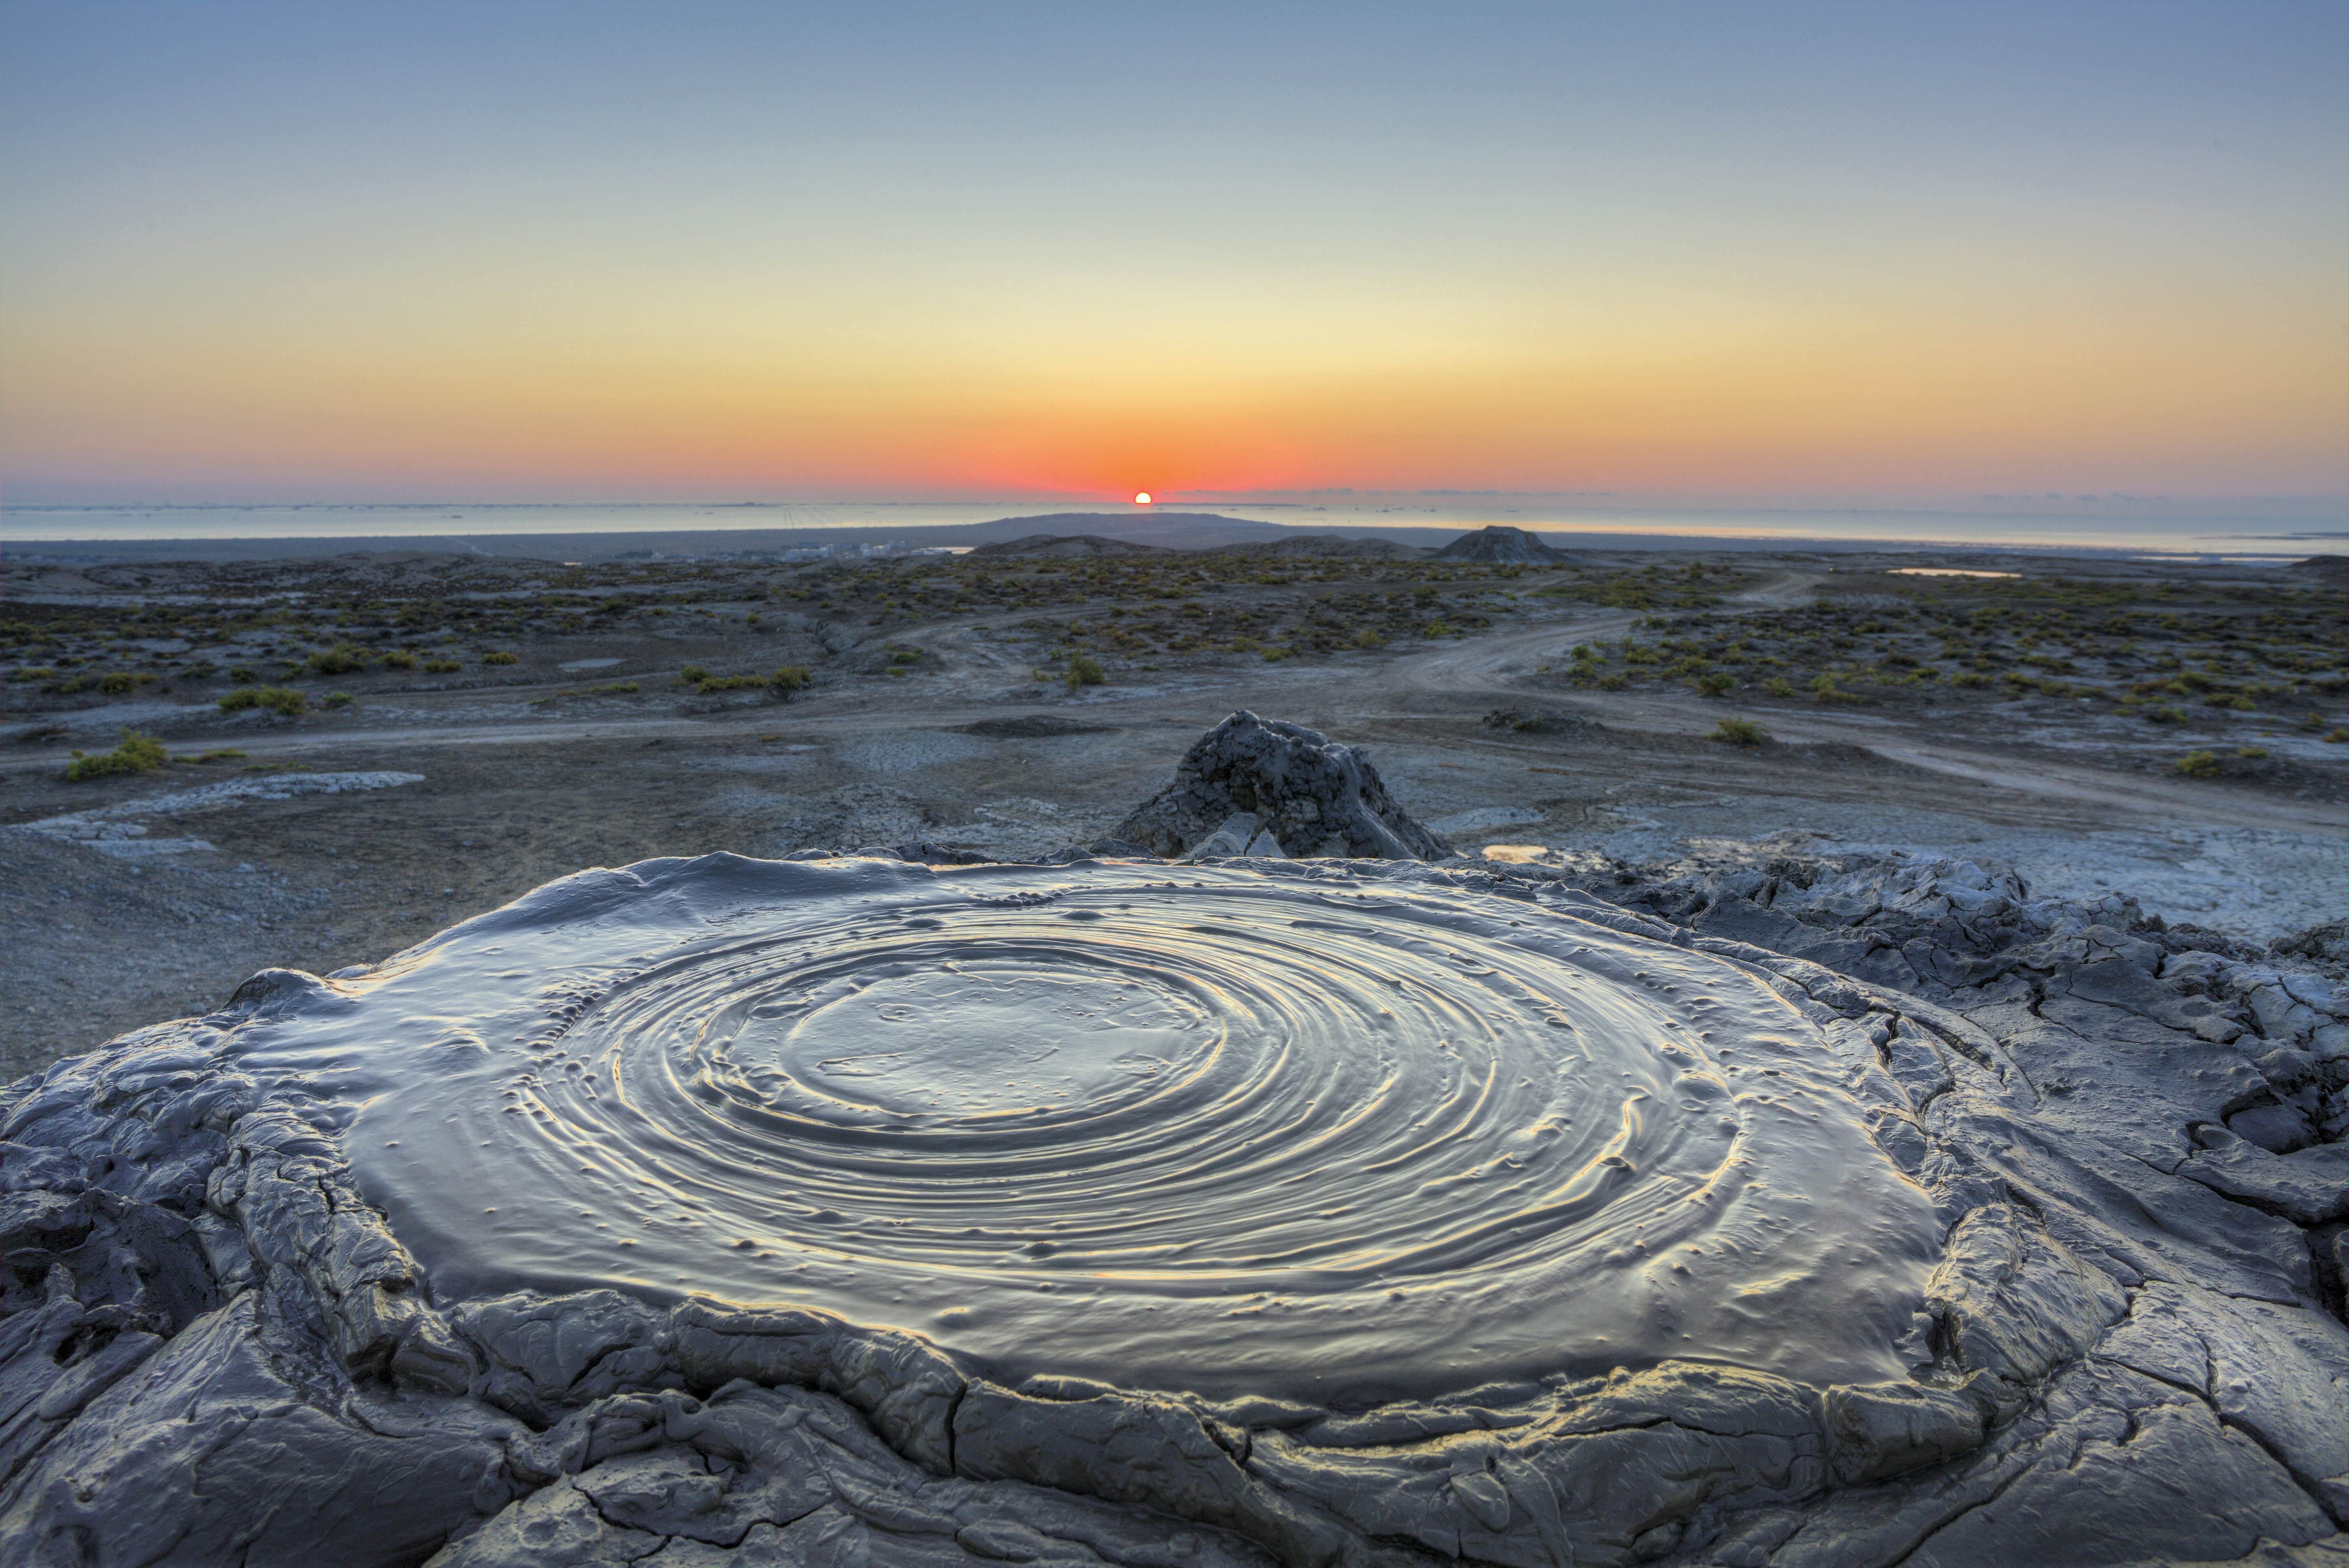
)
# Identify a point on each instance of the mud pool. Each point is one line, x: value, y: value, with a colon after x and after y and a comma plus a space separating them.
x: 1299, y: 1135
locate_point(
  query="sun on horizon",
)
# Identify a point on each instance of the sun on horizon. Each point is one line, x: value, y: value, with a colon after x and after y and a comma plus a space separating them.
x: 1142, y: 498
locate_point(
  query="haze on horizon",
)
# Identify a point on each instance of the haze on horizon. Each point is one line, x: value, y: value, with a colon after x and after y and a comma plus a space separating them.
x: 1689, y: 255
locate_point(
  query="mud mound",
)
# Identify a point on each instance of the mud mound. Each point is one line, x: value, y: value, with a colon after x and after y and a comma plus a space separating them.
x: 1501, y: 546
x: 1314, y: 796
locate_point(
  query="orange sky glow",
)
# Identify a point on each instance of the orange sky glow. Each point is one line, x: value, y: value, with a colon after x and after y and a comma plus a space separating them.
x: 241, y: 267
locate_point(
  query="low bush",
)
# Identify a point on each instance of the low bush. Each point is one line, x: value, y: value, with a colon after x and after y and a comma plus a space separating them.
x: 122, y: 683
x: 1369, y: 637
x: 499, y: 658
x: 1739, y: 732
x: 282, y: 700
x: 2199, y: 765
x: 398, y: 659
x: 1714, y: 683
x: 789, y: 679
x: 242, y: 675
x: 135, y: 753
x: 340, y: 660
x: 441, y: 667
x: 1084, y: 670
x: 337, y: 699
x: 692, y: 674
x: 1779, y: 686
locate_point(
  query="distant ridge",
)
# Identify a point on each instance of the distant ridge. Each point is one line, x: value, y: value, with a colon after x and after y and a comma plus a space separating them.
x: 1069, y: 544
x: 1168, y: 529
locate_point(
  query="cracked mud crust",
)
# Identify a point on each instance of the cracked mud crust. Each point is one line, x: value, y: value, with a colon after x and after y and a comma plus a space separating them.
x: 2128, y: 1346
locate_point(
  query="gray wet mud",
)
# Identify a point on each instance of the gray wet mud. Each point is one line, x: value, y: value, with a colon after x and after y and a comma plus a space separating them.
x: 1293, y: 1132
x: 2044, y: 1202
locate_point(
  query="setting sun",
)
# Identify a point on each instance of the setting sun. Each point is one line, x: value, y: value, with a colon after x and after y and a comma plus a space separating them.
x: 1142, y: 498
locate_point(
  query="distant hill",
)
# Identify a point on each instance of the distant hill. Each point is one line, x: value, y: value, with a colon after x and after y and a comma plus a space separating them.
x: 1168, y: 529
x: 1069, y: 544
x: 1501, y: 545
x: 1324, y: 547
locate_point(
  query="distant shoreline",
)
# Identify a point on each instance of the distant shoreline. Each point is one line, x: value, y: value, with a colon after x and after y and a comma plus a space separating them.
x: 1174, y: 529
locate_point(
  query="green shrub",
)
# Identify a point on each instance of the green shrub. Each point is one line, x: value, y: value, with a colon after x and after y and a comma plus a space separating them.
x: 1739, y: 732
x: 135, y: 753
x: 398, y: 659
x: 202, y: 671
x: 340, y: 660
x: 122, y: 683
x: 242, y: 675
x: 2165, y: 715
x: 338, y: 700
x: 1369, y: 637
x: 2199, y: 765
x: 441, y: 667
x: 1779, y: 686
x: 789, y: 679
x: 1715, y: 682
x: 2254, y: 752
x: 1084, y: 670
x: 282, y: 700
x: 499, y: 658
x: 692, y: 674
x: 217, y: 754
x: 1273, y: 653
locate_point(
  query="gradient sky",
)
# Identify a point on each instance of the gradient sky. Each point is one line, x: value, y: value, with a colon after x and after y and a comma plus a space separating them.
x: 1694, y: 255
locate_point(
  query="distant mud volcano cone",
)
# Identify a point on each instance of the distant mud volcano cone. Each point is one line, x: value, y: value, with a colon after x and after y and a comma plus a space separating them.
x: 1501, y: 545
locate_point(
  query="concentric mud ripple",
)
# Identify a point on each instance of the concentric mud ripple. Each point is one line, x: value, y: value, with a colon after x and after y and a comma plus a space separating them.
x: 1234, y: 1132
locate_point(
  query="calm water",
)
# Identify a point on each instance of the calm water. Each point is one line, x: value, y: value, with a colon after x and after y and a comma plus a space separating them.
x: 2281, y: 537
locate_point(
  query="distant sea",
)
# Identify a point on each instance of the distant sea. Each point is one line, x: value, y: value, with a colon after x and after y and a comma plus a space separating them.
x: 2233, y: 538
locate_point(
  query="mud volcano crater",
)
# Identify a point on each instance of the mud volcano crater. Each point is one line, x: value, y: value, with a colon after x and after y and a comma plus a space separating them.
x: 1762, y: 1208
x: 1278, y: 1131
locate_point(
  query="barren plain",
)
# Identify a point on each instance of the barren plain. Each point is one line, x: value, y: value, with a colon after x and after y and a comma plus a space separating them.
x: 352, y: 753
